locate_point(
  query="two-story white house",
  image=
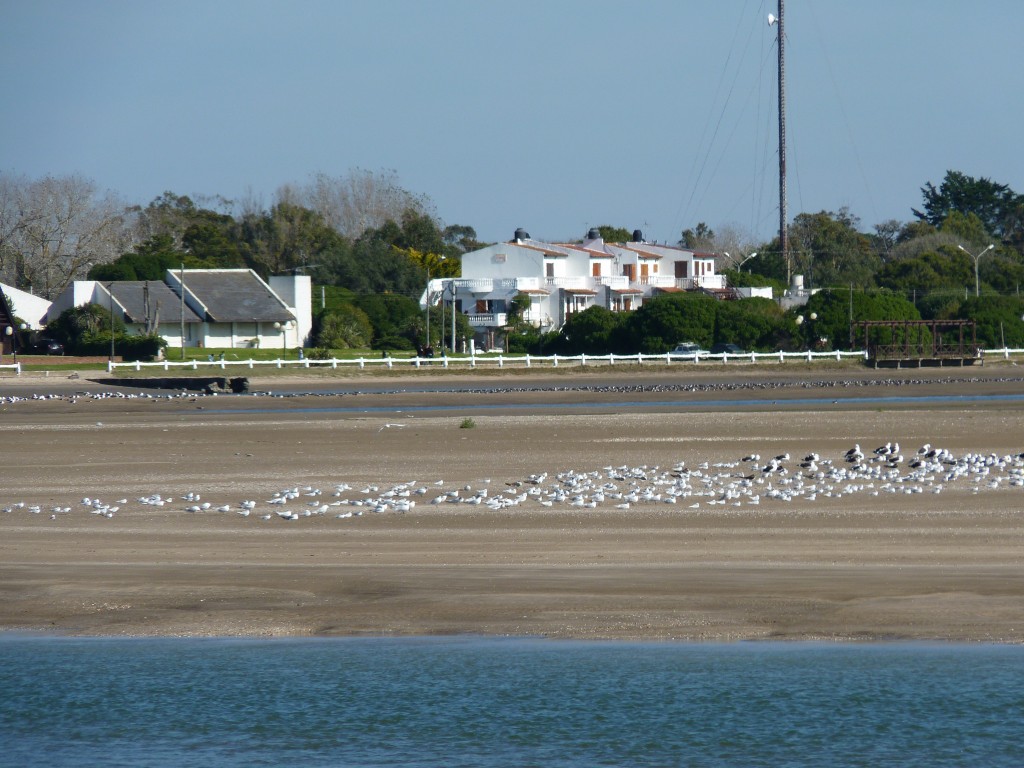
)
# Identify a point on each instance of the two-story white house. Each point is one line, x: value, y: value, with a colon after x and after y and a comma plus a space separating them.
x: 562, y: 279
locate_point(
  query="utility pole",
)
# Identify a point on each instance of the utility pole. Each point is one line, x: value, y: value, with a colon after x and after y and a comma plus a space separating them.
x: 182, y: 281
x: 783, y: 233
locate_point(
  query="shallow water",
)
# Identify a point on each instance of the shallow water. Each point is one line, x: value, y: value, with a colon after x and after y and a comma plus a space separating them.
x: 488, y: 702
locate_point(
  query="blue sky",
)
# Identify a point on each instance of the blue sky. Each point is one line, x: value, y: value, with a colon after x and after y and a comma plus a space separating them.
x: 552, y: 115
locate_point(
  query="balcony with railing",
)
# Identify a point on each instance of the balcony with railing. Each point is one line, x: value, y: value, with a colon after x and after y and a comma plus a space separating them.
x: 615, y: 282
x: 487, y: 319
x: 474, y: 284
x: 517, y: 284
x: 657, y: 281
x: 575, y: 283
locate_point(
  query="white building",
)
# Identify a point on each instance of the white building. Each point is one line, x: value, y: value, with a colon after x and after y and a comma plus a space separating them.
x: 221, y: 308
x: 31, y: 309
x: 562, y: 279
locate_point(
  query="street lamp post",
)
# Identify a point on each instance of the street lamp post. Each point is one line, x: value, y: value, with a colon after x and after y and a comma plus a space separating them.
x: 744, y: 260
x: 110, y: 293
x: 283, y: 328
x: 452, y: 284
x: 977, y: 284
x: 443, y: 258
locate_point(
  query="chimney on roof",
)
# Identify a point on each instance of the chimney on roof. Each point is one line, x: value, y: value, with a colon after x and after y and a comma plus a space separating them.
x: 638, y: 236
x: 520, y: 235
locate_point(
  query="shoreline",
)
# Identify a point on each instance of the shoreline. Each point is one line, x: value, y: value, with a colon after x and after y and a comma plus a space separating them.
x: 924, y: 567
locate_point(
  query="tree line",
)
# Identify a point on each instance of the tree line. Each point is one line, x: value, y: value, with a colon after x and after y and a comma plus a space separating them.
x: 371, y: 244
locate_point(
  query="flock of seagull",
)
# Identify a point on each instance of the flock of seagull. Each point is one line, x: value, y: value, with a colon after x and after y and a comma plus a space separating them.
x: 506, y: 388
x: 744, y: 482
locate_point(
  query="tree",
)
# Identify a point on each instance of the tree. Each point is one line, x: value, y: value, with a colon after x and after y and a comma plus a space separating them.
x: 461, y: 238
x: 994, y: 204
x: 345, y: 328
x: 829, y: 251
x: 836, y: 308
x: 591, y: 331
x: 78, y: 326
x: 998, y: 320
x: 149, y: 260
x: 885, y: 238
x: 288, y: 238
x: 664, y: 321
x: 357, y: 202
x: 700, y: 238
x: 752, y: 324
x: 615, y: 234
x: 53, y: 229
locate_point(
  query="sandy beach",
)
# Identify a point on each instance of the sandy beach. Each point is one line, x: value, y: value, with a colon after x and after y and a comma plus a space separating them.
x: 856, y: 564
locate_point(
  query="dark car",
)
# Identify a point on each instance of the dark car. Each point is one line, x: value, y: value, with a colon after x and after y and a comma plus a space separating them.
x: 46, y: 347
x: 730, y: 349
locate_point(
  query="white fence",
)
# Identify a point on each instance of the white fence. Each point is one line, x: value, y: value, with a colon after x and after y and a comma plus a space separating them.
x: 495, y: 361
x: 503, y: 361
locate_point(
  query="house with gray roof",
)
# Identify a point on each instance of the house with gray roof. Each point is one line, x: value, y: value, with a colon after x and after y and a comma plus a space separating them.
x: 220, y: 308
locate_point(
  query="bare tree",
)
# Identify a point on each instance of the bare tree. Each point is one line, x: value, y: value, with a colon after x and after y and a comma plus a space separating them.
x: 358, y: 201
x: 53, y: 229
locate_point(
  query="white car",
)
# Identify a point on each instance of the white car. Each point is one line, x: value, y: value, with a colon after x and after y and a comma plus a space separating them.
x: 687, y: 348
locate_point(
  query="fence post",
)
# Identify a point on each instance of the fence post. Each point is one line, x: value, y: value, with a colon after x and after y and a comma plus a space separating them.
x: 501, y: 360
x: 583, y: 360
x: 782, y: 357
x: 527, y: 359
x: 250, y: 363
x: 195, y: 366
x: 138, y: 365
x: 389, y: 363
x: 554, y: 360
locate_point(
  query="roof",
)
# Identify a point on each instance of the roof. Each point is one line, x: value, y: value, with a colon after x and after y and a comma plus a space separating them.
x: 234, y: 295
x: 165, y: 304
x: 6, y: 316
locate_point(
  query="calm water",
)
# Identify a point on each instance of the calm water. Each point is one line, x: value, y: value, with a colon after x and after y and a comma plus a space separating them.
x: 482, y: 702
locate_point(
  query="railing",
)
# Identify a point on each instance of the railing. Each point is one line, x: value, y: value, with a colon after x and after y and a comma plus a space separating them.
x: 517, y: 283
x: 487, y: 319
x: 502, y: 361
x: 617, y: 282
x: 905, y: 351
x: 573, y: 283
x: 498, y: 360
x: 473, y: 284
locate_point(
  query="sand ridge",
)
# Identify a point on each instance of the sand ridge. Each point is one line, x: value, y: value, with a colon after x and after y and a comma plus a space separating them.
x: 922, y: 566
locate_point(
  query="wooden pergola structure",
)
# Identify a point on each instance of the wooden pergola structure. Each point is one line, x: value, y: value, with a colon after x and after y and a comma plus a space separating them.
x: 917, y: 343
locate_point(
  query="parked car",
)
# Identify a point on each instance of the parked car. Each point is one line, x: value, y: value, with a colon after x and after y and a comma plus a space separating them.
x: 723, y: 347
x: 687, y: 348
x: 46, y: 347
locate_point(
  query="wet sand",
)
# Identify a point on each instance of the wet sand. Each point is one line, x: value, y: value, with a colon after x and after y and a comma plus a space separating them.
x: 900, y: 566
